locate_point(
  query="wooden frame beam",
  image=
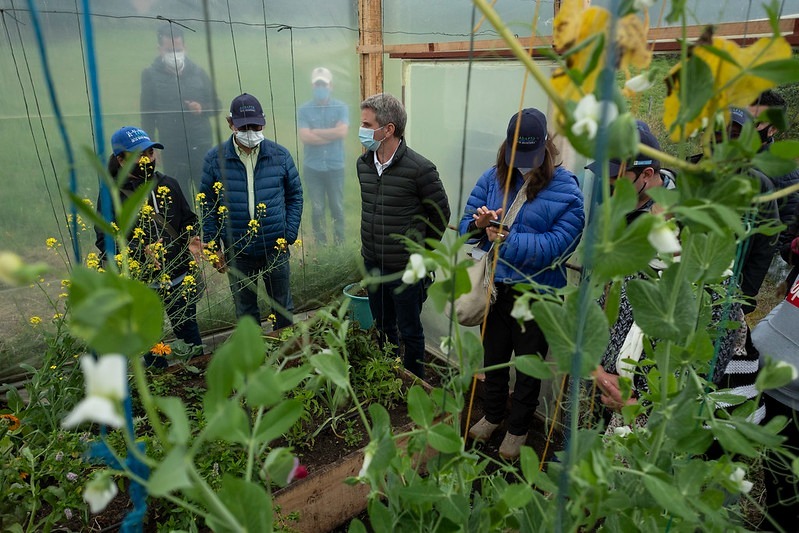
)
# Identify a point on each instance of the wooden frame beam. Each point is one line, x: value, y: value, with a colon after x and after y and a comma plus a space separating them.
x: 662, y: 39
x: 370, y: 46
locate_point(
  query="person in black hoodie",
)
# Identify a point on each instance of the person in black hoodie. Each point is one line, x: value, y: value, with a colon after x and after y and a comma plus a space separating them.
x: 177, y: 105
x: 164, y: 245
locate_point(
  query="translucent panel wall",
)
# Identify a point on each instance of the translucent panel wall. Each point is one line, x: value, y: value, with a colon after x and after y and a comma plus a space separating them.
x: 267, y: 49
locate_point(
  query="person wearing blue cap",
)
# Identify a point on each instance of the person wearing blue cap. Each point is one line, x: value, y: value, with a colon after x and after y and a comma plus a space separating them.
x: 643, y: 171
x: 538, y: 229
x: 252, y: 206
x: 164, y: 246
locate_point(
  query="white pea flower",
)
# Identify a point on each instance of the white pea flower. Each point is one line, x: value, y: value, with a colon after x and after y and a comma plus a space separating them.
x: 415, y: 270
x: 622, y: 431
x: 588, y: 113
x: 785, y: 364
x: 737, y: 477
x: 106, y: 386
x: 99, y: 492
x: 368, y: 455
x: 727, y: 273
x: 663, y: 236
x: 447, y: 344
x: 639, y: 84
x: 521, y: 310
x: 641, y: 5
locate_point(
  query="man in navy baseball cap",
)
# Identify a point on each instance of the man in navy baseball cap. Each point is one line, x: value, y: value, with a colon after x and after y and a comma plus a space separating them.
x: 641, y: 161
x: 246, y: 110
x: 531, y: 146
x: 132, y: 139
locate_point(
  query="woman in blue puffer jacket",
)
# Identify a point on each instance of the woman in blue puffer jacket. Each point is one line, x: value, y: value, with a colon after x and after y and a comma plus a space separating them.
x: 532, y: 249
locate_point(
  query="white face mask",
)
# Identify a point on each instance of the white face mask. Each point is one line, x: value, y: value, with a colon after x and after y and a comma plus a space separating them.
x: 524, y: 171
x: 250, y: 138
x: 174, y: 60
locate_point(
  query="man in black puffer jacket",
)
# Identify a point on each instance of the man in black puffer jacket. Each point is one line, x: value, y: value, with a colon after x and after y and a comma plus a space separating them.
x: 401, y: 194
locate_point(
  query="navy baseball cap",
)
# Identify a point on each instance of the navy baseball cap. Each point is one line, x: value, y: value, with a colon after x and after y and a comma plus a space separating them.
x: 739, y: 116
x: 641, y: 160
x: 132, y: 139
x: 246, y: 109
x: 532, y: 143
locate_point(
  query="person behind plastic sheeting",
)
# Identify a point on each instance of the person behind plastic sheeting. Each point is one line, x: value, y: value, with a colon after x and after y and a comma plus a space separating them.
x: 323, y: 123
x: 177, y: 106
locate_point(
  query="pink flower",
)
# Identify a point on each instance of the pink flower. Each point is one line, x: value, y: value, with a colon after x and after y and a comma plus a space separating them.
x: 298, y: 472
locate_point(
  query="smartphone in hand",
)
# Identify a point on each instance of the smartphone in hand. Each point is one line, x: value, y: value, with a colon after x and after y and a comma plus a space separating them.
x: 497, y: 224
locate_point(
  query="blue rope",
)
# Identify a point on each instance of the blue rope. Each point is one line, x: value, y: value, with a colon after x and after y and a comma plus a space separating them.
x: 137, y: 492
x: 73, y: 182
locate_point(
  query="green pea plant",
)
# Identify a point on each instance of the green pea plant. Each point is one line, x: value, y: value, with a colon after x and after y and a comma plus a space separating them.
x: 658, y: 475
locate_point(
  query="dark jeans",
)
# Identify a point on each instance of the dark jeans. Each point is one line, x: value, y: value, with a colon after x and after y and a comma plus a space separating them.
x: 274, y: 270
x: 182, y: 313
x: 396, y: 308
x: 321, y: 186
x: 782, y: 487
x: 503, y: 337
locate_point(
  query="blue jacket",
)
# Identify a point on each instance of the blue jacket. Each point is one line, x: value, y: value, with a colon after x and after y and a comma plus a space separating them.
x: 277, y: 186
x: 546, y: 230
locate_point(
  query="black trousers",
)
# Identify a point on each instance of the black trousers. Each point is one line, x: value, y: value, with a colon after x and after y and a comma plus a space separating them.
x: 504, y: 337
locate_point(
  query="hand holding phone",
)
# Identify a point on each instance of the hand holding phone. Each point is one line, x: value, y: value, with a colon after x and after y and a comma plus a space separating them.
x: 497, y: 224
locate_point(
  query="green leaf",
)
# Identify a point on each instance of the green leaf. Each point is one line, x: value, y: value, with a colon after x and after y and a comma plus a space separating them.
x: 229, y: 423
x: 423, y: 493
x: 90, y: 213
x: 677, y: 10
x: 772, y: 375
x: 241, y: 355
x: 248, y: 502
x: 420, y: 407
x: 114, y: 314
x: 263, y: 388
x: 772, y: 165
x: 534, y: 366
x: 278, y: 421
x: 664, y: 308
x: 517, y: 495
x: 706, y: 256
x: 561, y: 327
x: 379, y: 516
x: 788, y: 149
x: 781, y: 71
x: 698, y: 86
x: 356, y: 526
x: 669, y: 497
x: 332, y: 367
x: 731, y: 440
x: 175, y: 410
x: 445, y: 438
x: 131, y: 206
x: 171, y: 475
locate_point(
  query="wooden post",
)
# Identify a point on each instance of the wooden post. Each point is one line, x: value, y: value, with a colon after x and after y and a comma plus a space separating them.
x: 370, y: 46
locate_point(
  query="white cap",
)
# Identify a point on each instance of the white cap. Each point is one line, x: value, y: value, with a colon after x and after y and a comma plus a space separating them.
x: 321, y: 74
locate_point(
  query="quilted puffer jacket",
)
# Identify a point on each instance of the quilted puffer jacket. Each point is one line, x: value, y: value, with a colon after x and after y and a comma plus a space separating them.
x: 546, y: 229
x: 226, y: 214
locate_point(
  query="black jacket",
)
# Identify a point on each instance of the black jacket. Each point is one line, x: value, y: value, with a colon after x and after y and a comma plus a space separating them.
x: 170, y: 207
x: 408, y: 199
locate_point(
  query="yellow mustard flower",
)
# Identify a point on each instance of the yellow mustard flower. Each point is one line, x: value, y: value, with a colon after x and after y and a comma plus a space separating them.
x: 51, y: 242
x: 217, y: 187
x: 88, y: 202
x: 138, y: 233
x: 163, y: 190
x: 272, y: 318
x: 35, y: 320
x: 579, y: 33
x: 733, y: 85
x: 280, y: 244
x: 298, y: 243
x: 58, y: 316
x: 63, y: 295
x: 165, y: 281
x: 66, y: 283
x: 147, y: 210
x: 53, y: 367
x: 92, y: 260
x: 200, y: 196
x: 252, y: 226
x: 189, y: 228
x: 114, y: 226
x: 222, y: 210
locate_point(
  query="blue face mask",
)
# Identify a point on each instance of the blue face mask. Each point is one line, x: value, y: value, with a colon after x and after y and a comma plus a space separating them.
x: 320, y: 94
x: 367, y: 138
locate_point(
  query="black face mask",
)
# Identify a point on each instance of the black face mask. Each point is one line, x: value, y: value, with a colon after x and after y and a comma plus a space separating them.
x: 144, y: 170
x: 764, y: 136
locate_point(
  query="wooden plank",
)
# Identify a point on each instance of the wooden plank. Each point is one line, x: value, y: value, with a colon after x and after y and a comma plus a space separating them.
x: 446, y: 50
x: 370, y: 46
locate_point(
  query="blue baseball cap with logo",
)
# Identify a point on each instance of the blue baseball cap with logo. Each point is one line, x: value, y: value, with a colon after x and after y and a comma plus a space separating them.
x: 532, y: 143
x: 132, y: 139
x: 245, y: 110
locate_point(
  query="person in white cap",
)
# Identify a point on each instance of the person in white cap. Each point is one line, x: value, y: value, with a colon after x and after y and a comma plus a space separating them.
x: 323, y: 123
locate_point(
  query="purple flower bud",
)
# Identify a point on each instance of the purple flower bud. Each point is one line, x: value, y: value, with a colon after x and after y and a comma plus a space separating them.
x: 72, y: 476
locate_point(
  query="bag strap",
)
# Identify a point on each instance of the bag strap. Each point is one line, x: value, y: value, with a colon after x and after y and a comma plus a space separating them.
x: 158, y: 218
x: 516, y: 206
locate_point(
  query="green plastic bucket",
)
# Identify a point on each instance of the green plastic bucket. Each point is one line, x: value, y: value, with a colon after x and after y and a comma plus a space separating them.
x: 359, y: 310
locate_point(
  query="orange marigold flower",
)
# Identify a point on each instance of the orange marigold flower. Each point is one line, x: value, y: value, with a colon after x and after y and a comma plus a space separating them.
x: 13, y: 421
x: 161, y: 349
